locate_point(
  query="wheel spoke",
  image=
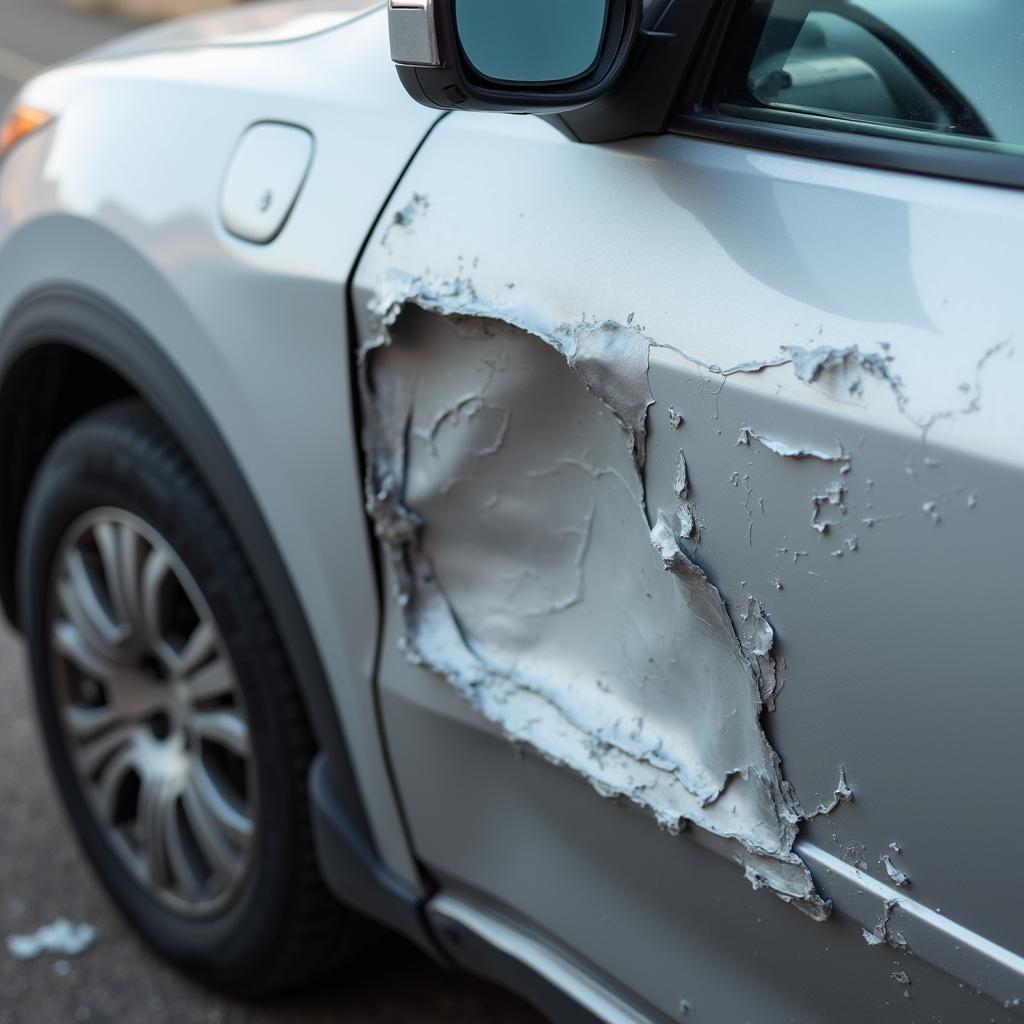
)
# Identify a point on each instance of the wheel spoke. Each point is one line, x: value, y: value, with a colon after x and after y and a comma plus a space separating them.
x: 154, y: 573
x: 201, y: 646
x: 224, y: 728
x: 84, y: 723
x: 182, y: 868
x: 69, y: 641
x: 156, y: 805
x: 208, y: 831
x: 93, y: 753
x: 92, y: 600
x: 214, y: 680
x: 231, y: 821
x: 112, y: 780
x: 104, y: 639
x: 119, y: 552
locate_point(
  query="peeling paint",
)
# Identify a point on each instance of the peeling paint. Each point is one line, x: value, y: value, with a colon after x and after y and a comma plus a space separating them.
x: 882, y: 933
x: 847, y: 364
x: 790, y: 451
x: 841, y: 794
x: 833, y: 496
x: 894, y: 873
x: 684, y: 509
x: 492, y: 602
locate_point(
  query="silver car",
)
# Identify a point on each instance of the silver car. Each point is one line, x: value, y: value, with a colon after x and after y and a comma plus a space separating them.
x: 582, y: 542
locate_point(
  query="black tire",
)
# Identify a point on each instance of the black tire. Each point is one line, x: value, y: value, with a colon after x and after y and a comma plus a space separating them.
x: 283, y: 926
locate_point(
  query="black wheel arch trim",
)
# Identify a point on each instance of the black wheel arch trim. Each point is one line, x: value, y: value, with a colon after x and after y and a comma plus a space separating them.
x: 75, y: 318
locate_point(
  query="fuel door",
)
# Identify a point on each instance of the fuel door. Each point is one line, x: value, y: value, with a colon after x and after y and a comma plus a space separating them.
x: 264, y: 179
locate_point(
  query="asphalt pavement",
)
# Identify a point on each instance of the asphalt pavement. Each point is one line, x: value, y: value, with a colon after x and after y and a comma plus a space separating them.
x: 43, y: 877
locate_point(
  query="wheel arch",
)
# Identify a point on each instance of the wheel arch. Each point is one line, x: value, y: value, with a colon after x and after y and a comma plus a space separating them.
x: 65, y: 351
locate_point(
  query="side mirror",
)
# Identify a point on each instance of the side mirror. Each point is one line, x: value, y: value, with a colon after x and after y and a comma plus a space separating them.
x: 525, y: 56
x: 597, y: 69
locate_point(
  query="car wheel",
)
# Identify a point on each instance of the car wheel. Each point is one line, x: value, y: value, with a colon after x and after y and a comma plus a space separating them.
x: 174, y: 727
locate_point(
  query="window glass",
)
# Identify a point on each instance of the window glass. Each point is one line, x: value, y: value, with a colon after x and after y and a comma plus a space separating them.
x: 945, y: 70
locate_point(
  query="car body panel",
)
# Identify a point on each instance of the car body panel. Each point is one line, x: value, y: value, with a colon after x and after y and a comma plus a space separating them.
x: 120, y: 197
x: 727, y: 255
x: 892, y: 627
x: 254, y: 24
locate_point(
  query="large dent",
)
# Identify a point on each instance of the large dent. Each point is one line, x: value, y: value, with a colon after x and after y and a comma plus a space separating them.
x: 505, y: 458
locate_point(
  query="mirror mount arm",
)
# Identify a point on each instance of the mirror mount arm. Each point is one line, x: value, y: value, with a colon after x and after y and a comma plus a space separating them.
x: 645, y: 95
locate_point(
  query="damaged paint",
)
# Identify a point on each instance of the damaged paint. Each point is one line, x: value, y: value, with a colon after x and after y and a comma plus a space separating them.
x: 406, y: 215
x: 883, y: 934
x: 661, y: 700
x: 848, y: 365
x: 685, y: 512
x: 831, y: 498
x: 790, y: 451
x: 898, y: 877
x: 841, y: 794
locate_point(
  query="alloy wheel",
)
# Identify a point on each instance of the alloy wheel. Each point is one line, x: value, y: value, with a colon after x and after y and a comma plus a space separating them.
x: 152, y: 712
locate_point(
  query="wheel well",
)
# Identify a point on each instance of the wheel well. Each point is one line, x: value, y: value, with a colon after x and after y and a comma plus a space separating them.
x: 43, y: 392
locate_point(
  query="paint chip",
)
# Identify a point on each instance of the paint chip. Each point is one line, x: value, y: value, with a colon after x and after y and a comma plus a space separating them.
x: 61, y: 936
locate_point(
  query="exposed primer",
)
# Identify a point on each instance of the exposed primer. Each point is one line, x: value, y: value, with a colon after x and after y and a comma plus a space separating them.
x: 674, y: 418
x: 661, y: 755
x: 791, y: 451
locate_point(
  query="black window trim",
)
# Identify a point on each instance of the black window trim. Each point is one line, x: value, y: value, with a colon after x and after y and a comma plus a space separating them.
x: 854, y: 145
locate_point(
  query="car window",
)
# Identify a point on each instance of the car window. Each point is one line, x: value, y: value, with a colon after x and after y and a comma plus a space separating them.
x: 949, y: 71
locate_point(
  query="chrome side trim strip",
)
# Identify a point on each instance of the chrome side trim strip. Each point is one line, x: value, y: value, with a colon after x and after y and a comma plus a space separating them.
x: 545, y: 961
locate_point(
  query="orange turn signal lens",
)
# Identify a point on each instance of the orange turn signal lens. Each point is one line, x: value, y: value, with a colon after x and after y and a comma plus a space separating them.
x: 20, y: 122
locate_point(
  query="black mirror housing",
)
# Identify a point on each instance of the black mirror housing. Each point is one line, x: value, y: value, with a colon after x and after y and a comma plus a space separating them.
x: 435, y: 70
x: 632, y: 88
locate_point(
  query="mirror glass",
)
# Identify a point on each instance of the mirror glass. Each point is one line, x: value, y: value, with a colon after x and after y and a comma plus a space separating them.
x: 531, y: 41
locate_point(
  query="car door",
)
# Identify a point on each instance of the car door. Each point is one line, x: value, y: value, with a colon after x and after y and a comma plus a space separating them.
x: 695, y: 460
